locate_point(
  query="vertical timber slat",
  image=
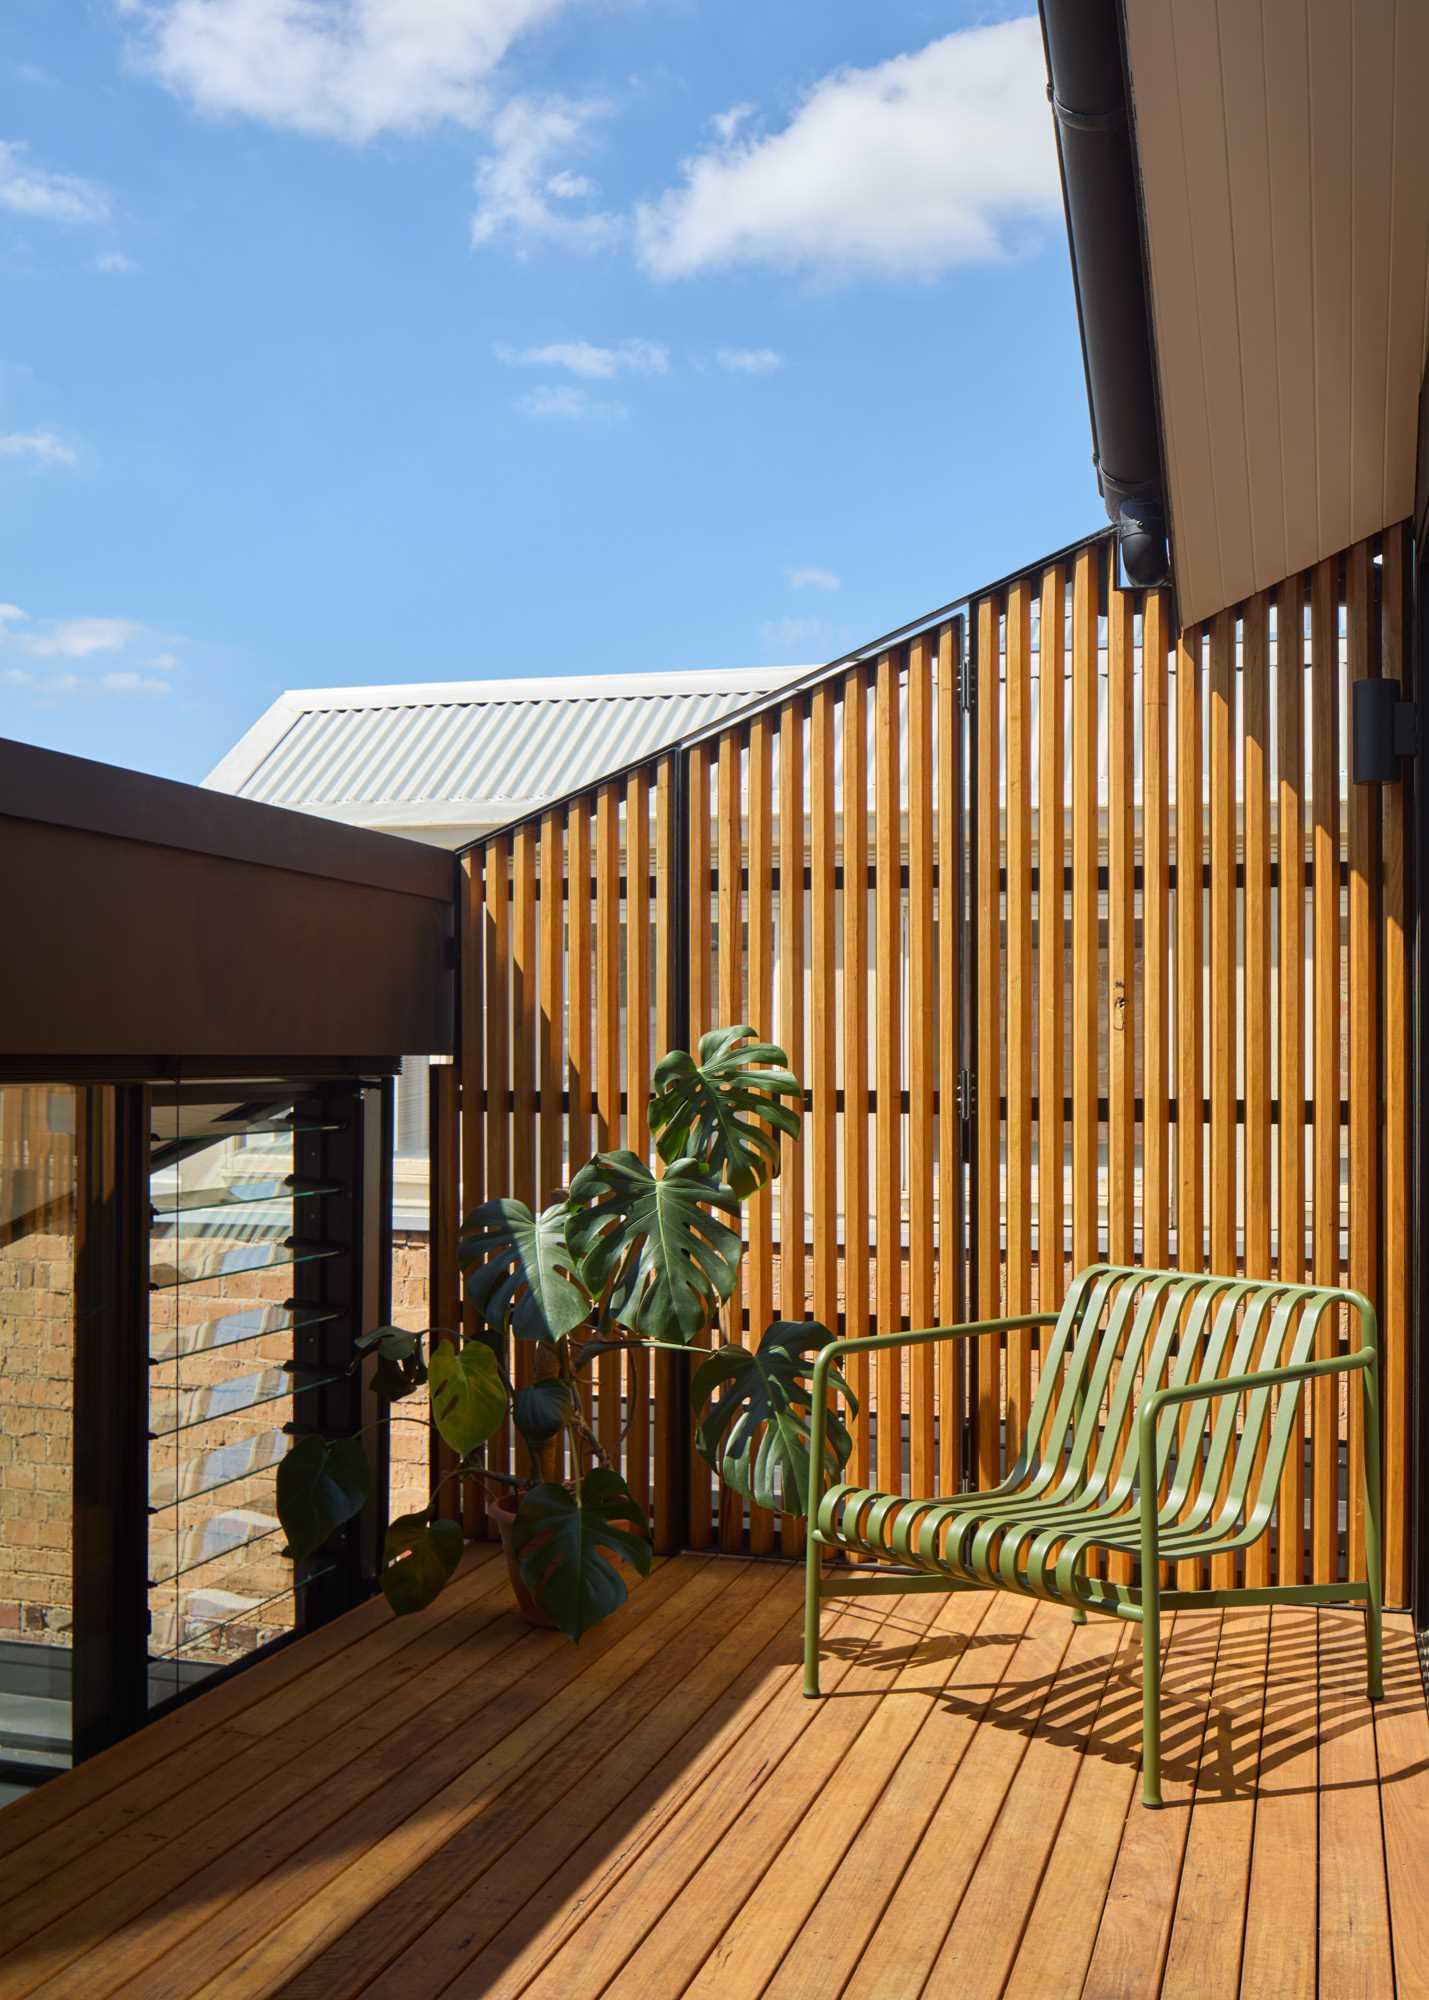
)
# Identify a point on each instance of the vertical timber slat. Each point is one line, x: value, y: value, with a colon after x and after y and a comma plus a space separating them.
x: 472, y: 1031
x: 668, y: 892
x: 1290, y: 1026
x: 637, y: 1072
x: 1364, y: 1016
x: 855, y: 1047
x: 1325, y: 805
x: 1155, y: 939
x: 888, y: 1123
x: 1256, y: 1002
x: 920, y: 1063
x: 987, y: 949
x: 1051, y: 940
x: 1018, y: 1290
x: 760, y: 1013
x: 697, y: 891
x: 951, y: 1248
x: 1222, y: 997
x: 793, y: 1277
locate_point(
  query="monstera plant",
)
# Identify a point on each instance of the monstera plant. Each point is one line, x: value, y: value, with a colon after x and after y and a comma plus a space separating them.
x: 637, y: 1255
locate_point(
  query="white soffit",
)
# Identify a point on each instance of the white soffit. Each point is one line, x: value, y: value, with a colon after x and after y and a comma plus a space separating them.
x: 1283, y: 148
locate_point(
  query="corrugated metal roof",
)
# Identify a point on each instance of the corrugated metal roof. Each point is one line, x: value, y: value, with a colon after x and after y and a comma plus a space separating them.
x: 473, y: 749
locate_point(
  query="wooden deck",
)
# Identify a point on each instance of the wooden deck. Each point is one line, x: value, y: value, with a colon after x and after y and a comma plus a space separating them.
x: 456, y: 1805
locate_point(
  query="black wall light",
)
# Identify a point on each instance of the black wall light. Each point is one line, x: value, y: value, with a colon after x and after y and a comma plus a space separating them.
x: 1385, y: 731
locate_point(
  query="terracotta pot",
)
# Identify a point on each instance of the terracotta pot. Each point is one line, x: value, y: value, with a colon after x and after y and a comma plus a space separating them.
x: 503, y: 1512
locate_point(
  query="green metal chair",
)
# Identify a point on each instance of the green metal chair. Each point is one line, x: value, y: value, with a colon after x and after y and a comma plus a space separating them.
x: 1132, y: 1447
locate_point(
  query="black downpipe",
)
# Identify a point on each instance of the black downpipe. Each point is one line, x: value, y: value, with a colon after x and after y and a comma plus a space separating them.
x: 1419, y: 1106
x: 1087, y: 89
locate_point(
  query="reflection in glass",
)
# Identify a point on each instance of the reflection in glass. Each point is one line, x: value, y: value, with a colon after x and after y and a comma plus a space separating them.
x: 38, y: 1191
x: 223, y: 1194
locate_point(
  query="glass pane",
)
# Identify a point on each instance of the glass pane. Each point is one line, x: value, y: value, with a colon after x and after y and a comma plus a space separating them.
x: 224, y: 1195
x: 38, y: 1186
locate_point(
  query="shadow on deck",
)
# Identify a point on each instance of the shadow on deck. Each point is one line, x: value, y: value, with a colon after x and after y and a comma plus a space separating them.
x: 454, y: 1804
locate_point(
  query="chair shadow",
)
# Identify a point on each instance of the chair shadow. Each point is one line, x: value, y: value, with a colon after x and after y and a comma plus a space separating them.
x: 1225, y: 1742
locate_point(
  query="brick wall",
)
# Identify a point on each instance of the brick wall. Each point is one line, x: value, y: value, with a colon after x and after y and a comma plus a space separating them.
x: 36, y: 1431
x: 410, y: 1485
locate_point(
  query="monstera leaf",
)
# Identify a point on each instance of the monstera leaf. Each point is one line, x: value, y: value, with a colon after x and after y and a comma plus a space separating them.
x: 319, y: 1486
x: 468, y: 1395
x: 520, y: 1271
x: 725, y: 1108
x: 564, y: 1542
x: 669, y: 1259
x: 418, y: 1558
x: 753, y: 1412
x: 400, y: 1368
x: 542, y: 1407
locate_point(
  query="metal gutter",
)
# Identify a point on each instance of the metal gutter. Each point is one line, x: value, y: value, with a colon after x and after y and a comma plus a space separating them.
x: 1088, y: 93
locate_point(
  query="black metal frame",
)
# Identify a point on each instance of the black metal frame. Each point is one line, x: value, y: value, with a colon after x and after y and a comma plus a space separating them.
x: 1418, y: 816
x: 109, y: 1538
x: 110, y: 1663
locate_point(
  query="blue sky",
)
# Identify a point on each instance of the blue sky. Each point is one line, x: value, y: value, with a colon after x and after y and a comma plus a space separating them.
x: 386, y: 340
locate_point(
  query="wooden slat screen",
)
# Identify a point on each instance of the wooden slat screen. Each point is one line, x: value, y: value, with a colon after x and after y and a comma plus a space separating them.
x: 1126, y: 886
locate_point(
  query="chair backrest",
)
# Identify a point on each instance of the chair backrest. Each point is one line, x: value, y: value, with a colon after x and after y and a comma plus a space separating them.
x: 1124, y: 1331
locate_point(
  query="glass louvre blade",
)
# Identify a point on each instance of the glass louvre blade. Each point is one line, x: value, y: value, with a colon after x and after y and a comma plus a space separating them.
x: 210, y: 1402
x: 221, y: 1466
x: 202, y: 1627
x: 229, y: 1329
x: 230, y: 1185
x: 268, y: 1126
x: 244, y: 1191
x: 222, y: 1534
x: 202, y: 1267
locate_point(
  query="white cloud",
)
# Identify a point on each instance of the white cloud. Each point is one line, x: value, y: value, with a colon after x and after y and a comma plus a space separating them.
x: 789, y: 633
x: 582, y: 357
x: 49, y: 197
x: 77, y: 638
x: 131, y: 683
x: 813, y: 579
x: 41, y: 447
x: 341, y: 69
x: 750, y: 360
x: 566, y: 403
x: 920, y: 163
x: 518, y: 194
x: 114, y: 263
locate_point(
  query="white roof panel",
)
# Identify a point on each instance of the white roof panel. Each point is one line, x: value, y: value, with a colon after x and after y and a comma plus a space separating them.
x: 484, y: 751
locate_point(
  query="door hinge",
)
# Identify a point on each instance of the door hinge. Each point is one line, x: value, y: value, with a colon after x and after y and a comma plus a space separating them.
x: 968, y: 1480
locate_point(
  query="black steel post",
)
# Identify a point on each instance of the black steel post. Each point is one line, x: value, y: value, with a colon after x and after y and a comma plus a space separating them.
x: 678, y: 946
x: 111, y: 1404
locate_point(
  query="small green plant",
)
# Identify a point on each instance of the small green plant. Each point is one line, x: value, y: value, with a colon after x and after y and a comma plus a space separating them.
x: 637, y: 1255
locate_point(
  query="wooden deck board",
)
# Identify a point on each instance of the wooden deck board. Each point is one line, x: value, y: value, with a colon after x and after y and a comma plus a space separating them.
x: 455, y: 1805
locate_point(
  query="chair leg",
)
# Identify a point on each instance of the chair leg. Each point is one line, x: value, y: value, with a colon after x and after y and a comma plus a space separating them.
x: 1374, y: 1643
x: 813, y: 1557
x: 1150, y: 1698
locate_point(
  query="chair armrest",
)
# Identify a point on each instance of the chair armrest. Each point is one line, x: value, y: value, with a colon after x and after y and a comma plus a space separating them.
x: 1264, y: 1378
x: 869, y: 1343
x: 1148, y: 1499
